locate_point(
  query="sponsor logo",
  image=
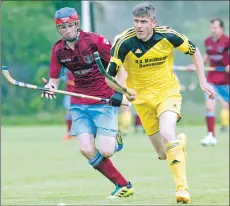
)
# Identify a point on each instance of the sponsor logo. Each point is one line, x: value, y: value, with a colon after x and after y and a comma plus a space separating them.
x: 138, y: 51
x: 65, y: 60
x: 216, y: 57
x: 83, y: 71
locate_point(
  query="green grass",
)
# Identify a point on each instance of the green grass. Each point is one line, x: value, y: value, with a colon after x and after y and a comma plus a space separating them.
x: 38, y: 168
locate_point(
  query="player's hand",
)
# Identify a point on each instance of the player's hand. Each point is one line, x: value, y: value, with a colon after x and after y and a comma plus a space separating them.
x: 131, y: 97
x: 116, y: 99
x: 48, y: 94
x: 208, y: 89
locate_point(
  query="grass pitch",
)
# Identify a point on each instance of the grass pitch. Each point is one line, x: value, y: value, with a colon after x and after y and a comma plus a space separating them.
x: 38, y: 168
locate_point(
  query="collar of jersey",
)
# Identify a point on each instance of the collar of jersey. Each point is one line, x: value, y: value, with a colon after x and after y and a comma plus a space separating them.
x: 66, y: 45
x: 216, y: 40
x: 76, y: 40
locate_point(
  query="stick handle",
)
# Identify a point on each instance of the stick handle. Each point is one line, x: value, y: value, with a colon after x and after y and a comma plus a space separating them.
x: 7, y: 75
x: 184, y: 68
x: 105, y: 74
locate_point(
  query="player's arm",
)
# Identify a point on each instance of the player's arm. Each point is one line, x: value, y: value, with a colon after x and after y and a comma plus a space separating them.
x: 55, y: 69
x: 182, y: 43
x: 121, y: 78
x: 205, y: 58
x: 54, y: 80
x: 115, y: 68
x: 104, y: 47
x: 191, y: 67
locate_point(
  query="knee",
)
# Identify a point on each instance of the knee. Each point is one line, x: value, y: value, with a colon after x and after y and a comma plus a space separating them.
x: 87, y: 151
x: 225, y: 105
x: 106, y: 152
x: 210, y: 107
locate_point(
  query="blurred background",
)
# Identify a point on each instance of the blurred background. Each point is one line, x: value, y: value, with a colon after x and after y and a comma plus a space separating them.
x: 28, y: 34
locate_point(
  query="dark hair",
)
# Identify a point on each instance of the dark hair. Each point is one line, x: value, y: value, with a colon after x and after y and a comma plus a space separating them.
x: 144, y: 9
x: 221, y: 23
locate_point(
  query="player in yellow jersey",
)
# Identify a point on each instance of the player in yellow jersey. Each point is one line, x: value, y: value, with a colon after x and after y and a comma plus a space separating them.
x: 146, y: 52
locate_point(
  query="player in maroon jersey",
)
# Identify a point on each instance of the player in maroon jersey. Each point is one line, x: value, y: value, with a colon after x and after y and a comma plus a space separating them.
x: 90, y: 118
x: 217, y: 55
x: 217, y: 48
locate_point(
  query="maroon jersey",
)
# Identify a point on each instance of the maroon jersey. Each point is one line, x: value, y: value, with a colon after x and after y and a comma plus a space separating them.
x: 87, y: 77
x: 218, y: 54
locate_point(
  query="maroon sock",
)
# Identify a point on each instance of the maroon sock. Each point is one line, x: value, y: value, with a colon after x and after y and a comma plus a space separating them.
x: 211, y: 124
x: 106, y: 168
x: 68, y: 123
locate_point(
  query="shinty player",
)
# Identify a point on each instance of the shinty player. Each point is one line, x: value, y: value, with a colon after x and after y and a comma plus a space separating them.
x: 90, y: 118
x: 217, y: 48
x: 146, y: 52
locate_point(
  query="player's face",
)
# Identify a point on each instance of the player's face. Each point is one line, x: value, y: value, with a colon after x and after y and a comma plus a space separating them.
x: 144, y: 27
x: 68, y: 30
x: 215, y: 29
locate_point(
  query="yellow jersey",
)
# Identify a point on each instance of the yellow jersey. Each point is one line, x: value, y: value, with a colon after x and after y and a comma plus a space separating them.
x: 149, y: 65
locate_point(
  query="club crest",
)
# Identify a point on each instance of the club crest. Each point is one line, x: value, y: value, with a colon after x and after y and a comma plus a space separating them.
x: 88, y: 59
x: 220, y: 49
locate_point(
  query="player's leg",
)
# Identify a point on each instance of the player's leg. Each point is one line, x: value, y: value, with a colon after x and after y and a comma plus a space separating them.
x: 148, y: 116
x: 224, y: 115
x: 210, y: 106
x: 124, y: 119
x: 107, y: 147
x: 105, y: 118
x: 85, y: 130
x: 169, y: 112
x: 68, y: 119
x: 223, y: 91
x: 159, y: 145
x: 171, y: 147
x: 138, y: 124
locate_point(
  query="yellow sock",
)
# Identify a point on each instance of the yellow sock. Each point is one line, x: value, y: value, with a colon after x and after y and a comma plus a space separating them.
x: 124, y: 121
x: 224, y: 117
x: 182, y: 139
x: 176, y: 162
